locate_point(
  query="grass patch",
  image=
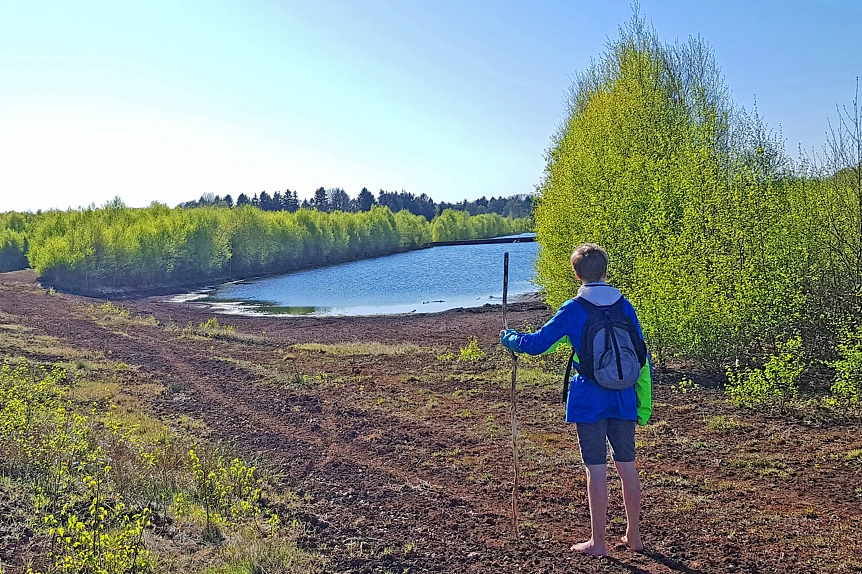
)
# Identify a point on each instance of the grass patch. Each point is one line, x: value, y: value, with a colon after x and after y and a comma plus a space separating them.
x: 42, y: 349
x: 764, y: 466
x: 246, y: 552
x: 356, y: 348
x: 284, y: 375
x: 460, y: 393
x: 109, y: 313
x: 657, y: 428
x: 529, y: 377
x: 109, y: 309
x: 89, y: 482
x: 721, y: 423
x: 549, y: 443
x: 211, y: 328
x: 855, y: 454
x: 89, y: 392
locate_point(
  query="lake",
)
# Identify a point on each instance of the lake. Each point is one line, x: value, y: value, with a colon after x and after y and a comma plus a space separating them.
x: 422, y: 281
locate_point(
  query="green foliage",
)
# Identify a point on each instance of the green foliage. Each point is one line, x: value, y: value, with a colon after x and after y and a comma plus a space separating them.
x: 57, y: 451
x: 472, y: 352
x: 847, y: 388
x: 224, y: 491
x: 453, y: 225
x: 775, y: 383
x: 14, y: 228
x: 685, y: 386
x: 211, y: 328
x: 116, y: 247
x: 719, y: 244
x: 108, y: 540
x: 96, y: 481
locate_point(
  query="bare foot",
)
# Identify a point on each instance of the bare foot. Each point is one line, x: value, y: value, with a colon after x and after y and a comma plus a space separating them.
x: 589, y: 547
x: 633, y: 542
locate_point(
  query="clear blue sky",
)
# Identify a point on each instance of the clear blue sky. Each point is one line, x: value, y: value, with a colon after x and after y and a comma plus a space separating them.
x: 167, y: 100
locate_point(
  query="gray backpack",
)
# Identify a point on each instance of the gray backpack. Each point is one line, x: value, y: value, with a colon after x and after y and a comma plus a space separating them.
x: 612, y: 353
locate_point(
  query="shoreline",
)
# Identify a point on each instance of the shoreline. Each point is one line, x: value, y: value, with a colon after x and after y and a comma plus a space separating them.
x: 199, y: 299
x: 164, y: 289
x: 531, y: 300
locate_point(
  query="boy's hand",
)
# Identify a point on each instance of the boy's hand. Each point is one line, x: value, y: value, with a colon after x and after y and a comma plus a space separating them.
x: 507, y: 339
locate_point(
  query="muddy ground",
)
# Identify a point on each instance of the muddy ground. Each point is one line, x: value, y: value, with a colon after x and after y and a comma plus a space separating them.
x: 403, y: 452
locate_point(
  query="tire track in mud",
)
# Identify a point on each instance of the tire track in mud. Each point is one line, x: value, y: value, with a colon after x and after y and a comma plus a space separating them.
x: 357, y: 493
x: 366, y: 499
x: 351, y: 486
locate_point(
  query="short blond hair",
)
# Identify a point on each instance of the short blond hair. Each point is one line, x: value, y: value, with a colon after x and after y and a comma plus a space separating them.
x: 590, y: 262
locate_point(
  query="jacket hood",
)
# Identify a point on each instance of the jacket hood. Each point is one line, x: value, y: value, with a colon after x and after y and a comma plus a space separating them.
x: 599, y: 293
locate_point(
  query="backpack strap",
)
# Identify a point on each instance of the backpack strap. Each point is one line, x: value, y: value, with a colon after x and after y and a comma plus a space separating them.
x: 567, y: 375
x: 589, y: 308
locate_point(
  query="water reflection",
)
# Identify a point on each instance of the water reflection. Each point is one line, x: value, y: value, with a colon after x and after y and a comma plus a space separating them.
x: 423, y: 281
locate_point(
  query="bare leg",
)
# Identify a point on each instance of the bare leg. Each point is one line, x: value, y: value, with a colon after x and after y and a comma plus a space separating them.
x: 597, y: 493
x: 632, y: 498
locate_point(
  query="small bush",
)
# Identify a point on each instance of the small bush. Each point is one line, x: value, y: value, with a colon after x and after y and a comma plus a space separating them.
x: 472, y: 352
x: 223, y: 490
x: 92, y: 482
x: 775, y: 383
x: 685, y: 386
x: 211, y: 328
x: 109, y: 308
x: 847, y: 388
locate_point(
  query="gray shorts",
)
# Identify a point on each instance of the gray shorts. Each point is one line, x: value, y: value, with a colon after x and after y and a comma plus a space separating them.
x: 593, y: 439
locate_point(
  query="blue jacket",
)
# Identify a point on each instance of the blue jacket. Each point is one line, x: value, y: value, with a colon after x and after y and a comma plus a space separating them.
x: 587, y: 401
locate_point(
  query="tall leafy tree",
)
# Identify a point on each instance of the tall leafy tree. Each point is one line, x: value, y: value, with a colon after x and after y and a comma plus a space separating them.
x: 689, y: 194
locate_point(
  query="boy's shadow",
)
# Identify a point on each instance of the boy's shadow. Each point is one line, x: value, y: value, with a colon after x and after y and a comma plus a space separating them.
x: 674, y: 565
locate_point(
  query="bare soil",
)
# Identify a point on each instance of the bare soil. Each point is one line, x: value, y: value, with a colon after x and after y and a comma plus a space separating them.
x: 404, y: 453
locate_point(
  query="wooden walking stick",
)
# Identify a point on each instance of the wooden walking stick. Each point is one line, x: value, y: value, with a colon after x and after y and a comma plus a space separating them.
x: 515, y: 464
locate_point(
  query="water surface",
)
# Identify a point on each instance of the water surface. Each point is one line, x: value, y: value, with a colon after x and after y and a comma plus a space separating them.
x: 427, y: 280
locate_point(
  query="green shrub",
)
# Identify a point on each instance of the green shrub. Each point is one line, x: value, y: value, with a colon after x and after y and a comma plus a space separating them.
x: 225, y: 491
x: 718, y: 244
x: 116, y: 247
x: 472, y: 352
x: 94, y: 480
x: 14, y: 230
x: 685, y: 386
x: 847, y: 388
x: 775, y: 383
x: 212, y: 328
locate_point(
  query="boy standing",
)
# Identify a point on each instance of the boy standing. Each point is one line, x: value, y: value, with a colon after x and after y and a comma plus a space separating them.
x: 601, y: 414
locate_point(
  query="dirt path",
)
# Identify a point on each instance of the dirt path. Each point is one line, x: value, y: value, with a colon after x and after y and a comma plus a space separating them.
x: 403, y: 452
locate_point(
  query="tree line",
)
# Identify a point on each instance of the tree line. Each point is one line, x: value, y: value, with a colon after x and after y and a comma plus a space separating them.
x: 13, y: 240
x: 725, y: 245
x: 97, y: 250
x: 336, y: 199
